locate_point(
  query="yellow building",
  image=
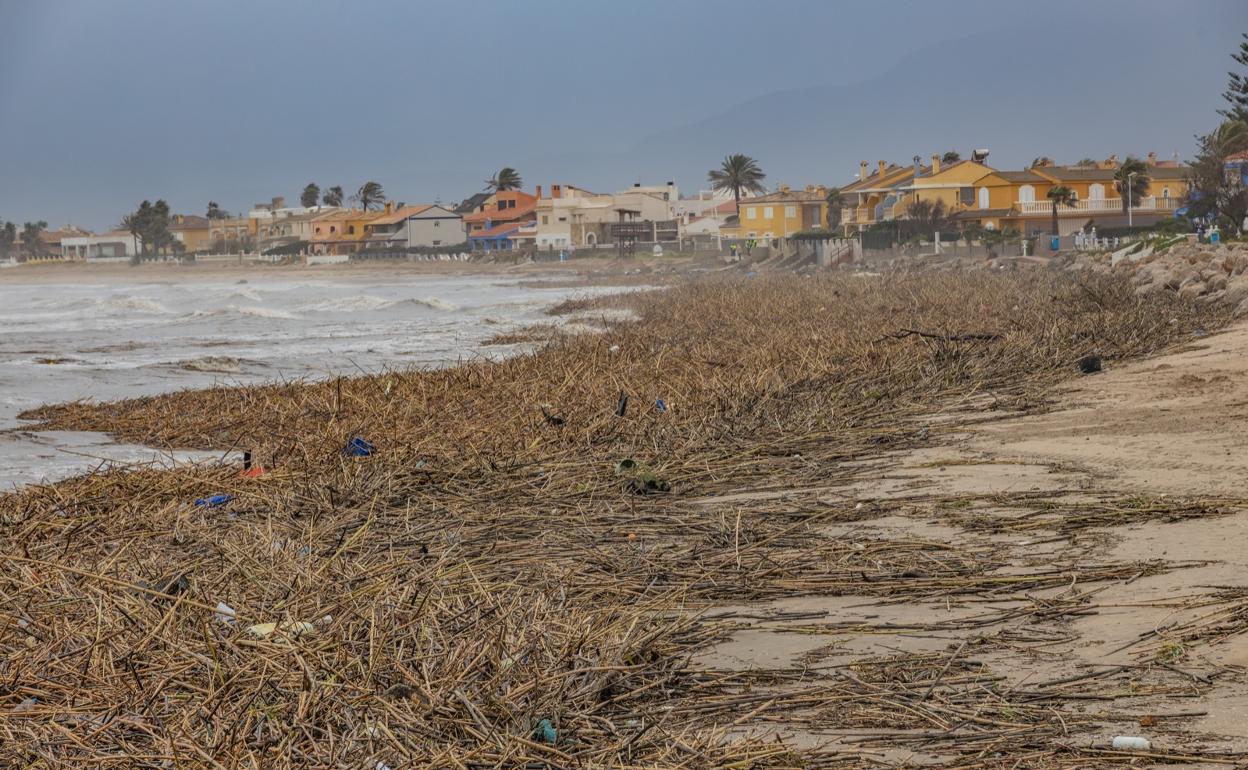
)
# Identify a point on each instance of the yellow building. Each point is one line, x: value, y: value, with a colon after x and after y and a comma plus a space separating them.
x: 231, y: 234
x: 192, y: 232
x: 876, y: 197
x: 977, y: 193
x: 344, y: 231
x: 782, y: 213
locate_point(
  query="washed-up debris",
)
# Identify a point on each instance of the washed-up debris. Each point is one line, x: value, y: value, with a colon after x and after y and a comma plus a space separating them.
x: 640, y: 479
x: 292, y: 628
x: 1131, y: 743
x: 224, y: 613
x: 545, y: 732
x: 550, y: 416
x: 214, y: 501
x: 660, y: 405
x: 358, y: 447
x: 1090, y: 364
x: 621, y: 404
x: 165, y: 588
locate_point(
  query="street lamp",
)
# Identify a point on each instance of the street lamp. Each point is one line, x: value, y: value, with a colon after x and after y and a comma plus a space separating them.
x: 1130, y: 202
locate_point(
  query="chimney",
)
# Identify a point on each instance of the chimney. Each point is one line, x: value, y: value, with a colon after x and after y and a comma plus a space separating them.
x: 279, y: 203
x: 389, y: 207
x: 1152, y: 159
x: 556, y: 191
x: 918, y: 165
x: 784, y: 188
x: 539, y: 192
x: 935, y: 163
x: 862, y: 170
x: 883, y: 166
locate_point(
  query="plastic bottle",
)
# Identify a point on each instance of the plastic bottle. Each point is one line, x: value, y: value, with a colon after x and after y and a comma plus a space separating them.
x: 1132, y: 742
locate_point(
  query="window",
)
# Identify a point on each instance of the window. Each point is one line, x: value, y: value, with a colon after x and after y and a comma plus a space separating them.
x: 437, y: 243
x: 1096, y: 192
x: 1026, y: 194
x: 545, y: 219
x: 563, y: 219
x: 436, y: 223
x: 767, y: 212
x: 966, y: 196
x: 1165, y: 192
x: 333, y: 229
x: 1074, y: 196
x: 790, y: 211
x: 751, y: 212
x: 351, y: 230
x: 983, y: 198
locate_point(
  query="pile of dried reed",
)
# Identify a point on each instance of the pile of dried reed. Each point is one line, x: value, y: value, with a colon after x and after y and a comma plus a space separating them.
x: 488, y: 589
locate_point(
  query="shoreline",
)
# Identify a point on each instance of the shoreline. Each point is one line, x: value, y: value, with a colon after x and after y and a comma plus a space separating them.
x: 803, y: 505
x: 586, y: 269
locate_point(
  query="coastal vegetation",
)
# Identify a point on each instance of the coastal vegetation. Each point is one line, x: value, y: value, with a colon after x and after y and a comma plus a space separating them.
x: 506, y: 179
x: 738, y: 174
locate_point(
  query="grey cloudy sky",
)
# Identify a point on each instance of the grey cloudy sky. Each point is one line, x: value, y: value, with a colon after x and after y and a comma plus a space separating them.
x: 104, y: 103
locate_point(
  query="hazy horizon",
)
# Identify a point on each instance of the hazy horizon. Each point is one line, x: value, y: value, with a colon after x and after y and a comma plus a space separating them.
x: 105, y: 104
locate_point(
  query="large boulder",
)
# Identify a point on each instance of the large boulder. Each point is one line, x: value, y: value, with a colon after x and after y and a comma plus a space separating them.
x: 1236, y: 291
x: 1191, y: 289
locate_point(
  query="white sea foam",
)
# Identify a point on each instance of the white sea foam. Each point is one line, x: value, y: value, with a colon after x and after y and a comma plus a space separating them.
x: 123, y: 305
x: 255, y: 311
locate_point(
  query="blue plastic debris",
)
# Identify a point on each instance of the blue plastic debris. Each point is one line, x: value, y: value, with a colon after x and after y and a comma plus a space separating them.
x: 358, y: 447
x: 213, y: 501
x: 545, y: 732
x: 660, y: 404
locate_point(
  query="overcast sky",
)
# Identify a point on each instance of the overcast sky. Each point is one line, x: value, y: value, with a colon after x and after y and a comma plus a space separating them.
x: 106, y: 102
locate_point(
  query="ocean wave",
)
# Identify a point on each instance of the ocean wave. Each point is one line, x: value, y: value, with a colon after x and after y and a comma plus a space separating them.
x: 133, y: 305
x: 247, y: 310
x: 245, y: 293
x: 364, y: 302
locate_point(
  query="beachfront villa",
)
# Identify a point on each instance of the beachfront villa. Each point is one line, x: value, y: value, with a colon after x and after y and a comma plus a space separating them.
x: 977, y: 193
x: 572, y: 217
x: 782, y: 213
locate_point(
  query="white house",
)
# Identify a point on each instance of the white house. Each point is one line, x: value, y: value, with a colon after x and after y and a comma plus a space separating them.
x: 115, y: 244
x: 408, y: 227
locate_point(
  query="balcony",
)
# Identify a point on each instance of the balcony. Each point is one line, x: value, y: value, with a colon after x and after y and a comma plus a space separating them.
x: 1096, y: 205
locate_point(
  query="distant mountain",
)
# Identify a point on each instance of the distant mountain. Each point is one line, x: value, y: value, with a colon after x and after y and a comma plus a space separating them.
x: 1065, y: 93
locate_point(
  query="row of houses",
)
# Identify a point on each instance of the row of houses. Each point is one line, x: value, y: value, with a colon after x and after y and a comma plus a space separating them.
x: 969, y: 192
x: 567, y: 217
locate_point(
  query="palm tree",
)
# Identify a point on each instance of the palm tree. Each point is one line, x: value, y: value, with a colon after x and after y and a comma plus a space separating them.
x: 1134, y: 173
x: 370, y: 195
x: 1060, y: 195
x: 507, y: 178
x: 738, y: 173
x: 1086, y: 163
x: 131, y: 224
x: 1043, y: 160
x: 835, y: 202
x: 951, y: 157
x: 333, y: 196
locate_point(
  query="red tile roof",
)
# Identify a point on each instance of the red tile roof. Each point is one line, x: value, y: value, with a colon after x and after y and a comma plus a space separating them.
x: 521, y: 211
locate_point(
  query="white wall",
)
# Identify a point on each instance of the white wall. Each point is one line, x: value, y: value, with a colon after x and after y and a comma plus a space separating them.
x: 434, y: 227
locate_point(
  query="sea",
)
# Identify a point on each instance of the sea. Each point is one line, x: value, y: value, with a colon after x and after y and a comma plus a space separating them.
x: 64, y: 340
